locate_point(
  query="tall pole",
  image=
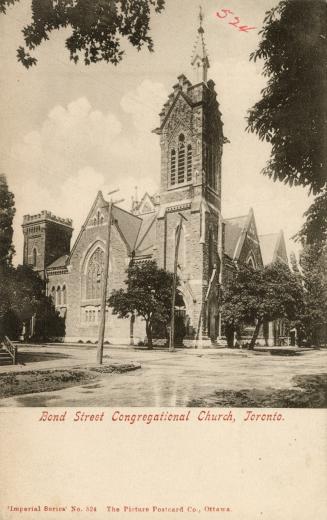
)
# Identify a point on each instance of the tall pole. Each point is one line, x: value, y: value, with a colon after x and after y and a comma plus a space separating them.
x: 104, y: 290
x: 220, y: 278
x: 105, y: 286
x: 172, y: 321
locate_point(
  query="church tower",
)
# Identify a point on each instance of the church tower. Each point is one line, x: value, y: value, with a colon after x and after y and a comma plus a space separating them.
x: 191, y: 140
x: 46, y: 238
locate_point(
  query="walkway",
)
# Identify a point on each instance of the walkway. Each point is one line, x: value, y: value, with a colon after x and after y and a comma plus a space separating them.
x: 166, y: 379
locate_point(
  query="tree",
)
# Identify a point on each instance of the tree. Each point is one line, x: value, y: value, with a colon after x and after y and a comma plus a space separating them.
x: 294, y: 264
x: 148, y: 294
x: 7, y: 212
x: 292, y: 114
x: 97, y: 27
x: 313, y: 262
x: 314, y: 230
x: 261, y: 295
x: 22, y: 296
x: 22, y: 291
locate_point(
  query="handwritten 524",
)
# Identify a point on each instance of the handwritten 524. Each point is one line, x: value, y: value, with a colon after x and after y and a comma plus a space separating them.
x: 225, y: 12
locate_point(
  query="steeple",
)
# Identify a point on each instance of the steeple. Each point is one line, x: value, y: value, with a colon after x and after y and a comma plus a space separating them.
x: 200, y: 61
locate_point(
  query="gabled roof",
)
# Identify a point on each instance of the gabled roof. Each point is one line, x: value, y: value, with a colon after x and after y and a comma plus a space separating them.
x: 147, y: 236
x: 60, y: 262
x: 146, y: 205
x: 179, y: 94
x: 128, y: 225
x: 234, y: 230
x: 98, y: 200
x: 273, y: 248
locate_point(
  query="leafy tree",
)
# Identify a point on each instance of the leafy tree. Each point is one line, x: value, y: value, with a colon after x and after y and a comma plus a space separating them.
x: 314, y: 230
x: 292, y: 114
x: 294, y: 264
x: 7, y: 212
x: 97, y: 27
x: 261, y: 295
x: 313, y: 262
x: 22, y: 296
x: 22, y: 291
x: 148, y: 294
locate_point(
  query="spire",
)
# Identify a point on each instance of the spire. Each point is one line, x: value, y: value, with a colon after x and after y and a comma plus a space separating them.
x: 200, y: 61
x: 135, y: 201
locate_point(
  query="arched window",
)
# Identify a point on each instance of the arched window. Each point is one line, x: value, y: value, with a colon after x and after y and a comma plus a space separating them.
x: 181, y: 159
x: 94, y: 274
x: 251, y: 261
x: 189, y: 163
x: 173, y: 167
x: 64, y: 295
x: 34, y: 257
x: 58, y: 299
x: 53, y: 295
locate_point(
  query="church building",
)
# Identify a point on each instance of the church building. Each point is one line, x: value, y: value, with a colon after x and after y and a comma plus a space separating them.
x: 190, y: 132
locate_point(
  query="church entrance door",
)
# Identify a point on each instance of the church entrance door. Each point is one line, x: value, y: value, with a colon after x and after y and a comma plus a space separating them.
x: 180, y: 319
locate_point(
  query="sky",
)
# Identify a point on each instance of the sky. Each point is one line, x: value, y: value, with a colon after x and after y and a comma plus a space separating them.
x: 70, y: 130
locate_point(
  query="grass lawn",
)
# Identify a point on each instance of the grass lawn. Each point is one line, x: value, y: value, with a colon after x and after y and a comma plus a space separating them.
x: 35, y: 381
x: 309, y: 391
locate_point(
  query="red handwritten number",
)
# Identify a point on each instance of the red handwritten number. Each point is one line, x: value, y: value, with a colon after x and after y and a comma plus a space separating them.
x: 226, y: 11
x: 245, y: 28
x: 237, y: 20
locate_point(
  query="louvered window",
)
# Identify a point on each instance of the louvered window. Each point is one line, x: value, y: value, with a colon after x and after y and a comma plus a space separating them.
x: 189, y: 163
x: 181, y: 163
x: 173, y: 167
x: 181, y: 159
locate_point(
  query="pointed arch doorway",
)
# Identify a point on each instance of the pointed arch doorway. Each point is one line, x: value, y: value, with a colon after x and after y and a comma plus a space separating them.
x: 181, y: 319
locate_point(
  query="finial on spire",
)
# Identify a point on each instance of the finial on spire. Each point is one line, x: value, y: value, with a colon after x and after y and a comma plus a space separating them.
x: 135, y: 201
x: 200, y: 29
x: 200, y: 61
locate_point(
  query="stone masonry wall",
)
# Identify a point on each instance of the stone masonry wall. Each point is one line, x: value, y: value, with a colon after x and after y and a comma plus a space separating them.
x: 117, y: 330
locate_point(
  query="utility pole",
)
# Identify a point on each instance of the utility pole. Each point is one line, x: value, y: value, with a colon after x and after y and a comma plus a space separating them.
x: 105, y: 284
x: 172, y: 321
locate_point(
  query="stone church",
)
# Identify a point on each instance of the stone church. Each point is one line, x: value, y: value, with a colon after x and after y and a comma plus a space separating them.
x: 190, y: 132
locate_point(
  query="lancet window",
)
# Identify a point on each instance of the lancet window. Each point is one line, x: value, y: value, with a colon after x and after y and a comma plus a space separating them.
x: 64, y: 295
x: 211, y: 162
x: 94, y: 274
